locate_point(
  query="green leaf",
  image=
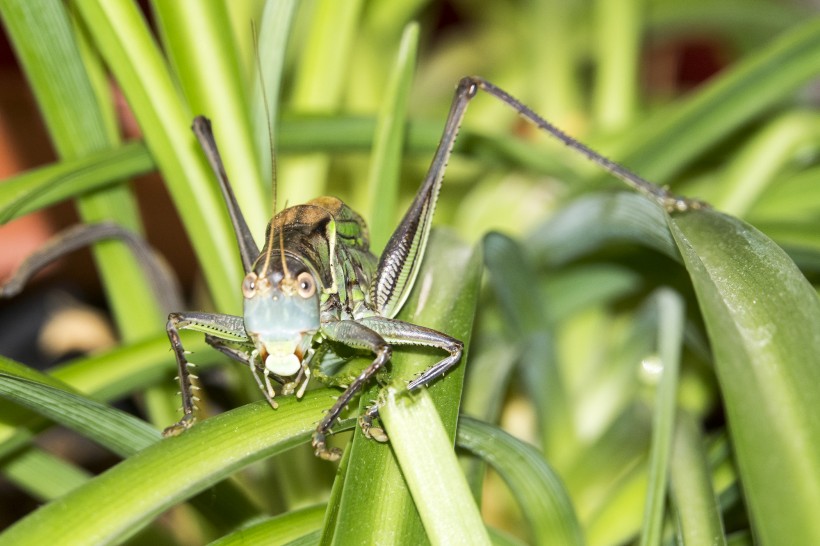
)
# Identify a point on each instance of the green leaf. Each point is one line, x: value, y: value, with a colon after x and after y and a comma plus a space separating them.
x: 203, y: 51
x: 117, y: 430
x: 78, y: 121
x: 274, y: 31
x: 692, y: 491
x: 131, y: 494
x: 528, y: 328
x: 43, y: 475
x: 283, y: 529
x: 664, y: 143
x: 594, y: 221
x: 124, y: 40
x: 763, y: 319
x: 538, y: 489
x: 444, y: 299
x: 670, y: 339
x: 39, y: 188
x: 317, y: 87
x: 617, y: 49
x: 383, y: 179
x: 423, y: 450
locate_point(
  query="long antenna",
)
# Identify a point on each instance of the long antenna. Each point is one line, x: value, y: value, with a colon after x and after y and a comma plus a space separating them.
x: 272, y: 160
x: 267, y: 113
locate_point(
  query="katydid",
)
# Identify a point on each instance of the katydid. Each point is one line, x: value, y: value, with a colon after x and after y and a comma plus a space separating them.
x: 316, y: 281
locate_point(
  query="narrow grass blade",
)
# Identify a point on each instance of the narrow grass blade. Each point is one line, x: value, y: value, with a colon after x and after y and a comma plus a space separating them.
x: 662, y: 145
x: 124, y: 40
x: 317, y: 87
x: 130, y: 368
x: 385, y: 166
x: 432, y: 473
x: 45, y: 186
x: 279, y: 530
x: 553, y: 76
x: 112, y: 428
x: 130, y: 495
x: 692, y: 492
x: 754, y: 167
x: 104, y: 377
x: 274, y: 31
x: 201, y: 46
x: 538, y: 489
x: 42, y: 475
x: 518, y: 294
x: 763, y: 319
x: 617, y: 55
x: 670, y: 340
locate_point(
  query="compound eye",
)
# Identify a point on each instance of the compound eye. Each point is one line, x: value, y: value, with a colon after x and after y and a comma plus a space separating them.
x: 305, y: 284
x: 249, y: 285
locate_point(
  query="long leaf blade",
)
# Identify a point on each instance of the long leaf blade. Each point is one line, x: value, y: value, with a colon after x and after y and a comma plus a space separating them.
x: 543, y: 498
x: 130, y: 495
x: 763, y: 320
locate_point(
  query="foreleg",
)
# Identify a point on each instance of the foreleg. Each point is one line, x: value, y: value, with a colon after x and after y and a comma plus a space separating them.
x: 227, y: 327
x: 397, y: 332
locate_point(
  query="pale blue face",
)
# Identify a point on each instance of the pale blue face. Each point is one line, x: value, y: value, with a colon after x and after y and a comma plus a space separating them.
x: 281, y: 313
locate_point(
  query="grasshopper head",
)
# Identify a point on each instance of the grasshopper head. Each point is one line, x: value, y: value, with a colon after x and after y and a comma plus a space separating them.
x: 281, y: 314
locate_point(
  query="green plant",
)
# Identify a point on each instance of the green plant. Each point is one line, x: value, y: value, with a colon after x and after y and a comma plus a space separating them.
x: 625, y: 332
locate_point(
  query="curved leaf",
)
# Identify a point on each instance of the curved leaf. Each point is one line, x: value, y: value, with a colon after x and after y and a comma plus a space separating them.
x: 39, y: 188
x: 131, y: 494
x: 117, y: 430
x: 763, y: 319
x: 539, y: 490
x: 283, y: 529
x: 691, y: 488
x: 593, y: 221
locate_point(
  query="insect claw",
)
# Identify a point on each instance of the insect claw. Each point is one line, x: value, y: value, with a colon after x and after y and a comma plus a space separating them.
x: 320, y: 448
x: 179, y: 427
x: 301, y: 392
x: 376, y: 433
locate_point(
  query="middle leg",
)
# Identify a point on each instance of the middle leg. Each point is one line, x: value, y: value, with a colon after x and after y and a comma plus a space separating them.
x: 397, y: 332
